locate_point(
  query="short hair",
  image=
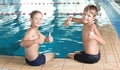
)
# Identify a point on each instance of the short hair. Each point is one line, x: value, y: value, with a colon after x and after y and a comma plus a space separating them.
x: 34, y: 12
x: 93, y: 9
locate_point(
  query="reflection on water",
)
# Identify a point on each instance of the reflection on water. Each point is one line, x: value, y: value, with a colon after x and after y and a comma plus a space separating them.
x: 66, y: 39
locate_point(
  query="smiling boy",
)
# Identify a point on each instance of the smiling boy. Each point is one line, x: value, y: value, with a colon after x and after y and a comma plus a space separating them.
x: 90, y: 36
x: 33, y: 38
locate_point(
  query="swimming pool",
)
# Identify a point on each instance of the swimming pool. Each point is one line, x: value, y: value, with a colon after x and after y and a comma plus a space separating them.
x: 66, y: 39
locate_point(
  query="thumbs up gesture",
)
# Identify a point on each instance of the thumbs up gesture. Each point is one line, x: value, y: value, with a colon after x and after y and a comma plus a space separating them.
x: 50, y: 38
x: 92, y: 34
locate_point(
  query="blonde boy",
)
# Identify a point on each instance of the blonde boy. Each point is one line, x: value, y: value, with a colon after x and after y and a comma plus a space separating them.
x: 90, y: 36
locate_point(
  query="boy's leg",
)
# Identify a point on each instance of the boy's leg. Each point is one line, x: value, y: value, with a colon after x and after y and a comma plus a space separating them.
x: 71, y: 55
x: 49, y: 56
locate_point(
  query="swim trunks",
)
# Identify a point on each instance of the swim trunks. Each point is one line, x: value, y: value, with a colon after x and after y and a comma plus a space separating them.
x: 87, y: 58
x: 38, y: 61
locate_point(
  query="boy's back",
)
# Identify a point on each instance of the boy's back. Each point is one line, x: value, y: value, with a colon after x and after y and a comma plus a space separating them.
x: 90, y: 45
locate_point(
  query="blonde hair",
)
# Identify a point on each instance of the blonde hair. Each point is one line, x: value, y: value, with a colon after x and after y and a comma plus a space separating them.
x: 92, y: 9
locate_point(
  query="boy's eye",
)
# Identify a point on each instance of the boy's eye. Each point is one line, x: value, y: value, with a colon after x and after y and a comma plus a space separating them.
x: 89, y: 16
x: 38, y: 18
x: 83, y: 14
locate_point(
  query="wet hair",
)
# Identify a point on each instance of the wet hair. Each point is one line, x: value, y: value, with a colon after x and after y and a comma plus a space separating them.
x: 34, y: 12
x: 92, y: 9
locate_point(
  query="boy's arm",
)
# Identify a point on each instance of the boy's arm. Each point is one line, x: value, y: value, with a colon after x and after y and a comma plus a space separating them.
x: 49, y: 38
x: 98, y: 37
x: 77, y: 20
x: 71, y: 19
x: 26, y: 41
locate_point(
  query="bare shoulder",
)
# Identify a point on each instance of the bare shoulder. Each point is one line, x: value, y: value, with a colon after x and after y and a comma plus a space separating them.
x: 93, y: 26
x: 29, y: 33
x: 95, y: 30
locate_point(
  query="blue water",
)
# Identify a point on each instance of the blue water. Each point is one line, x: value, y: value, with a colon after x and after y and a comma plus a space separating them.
x: 66, y: 39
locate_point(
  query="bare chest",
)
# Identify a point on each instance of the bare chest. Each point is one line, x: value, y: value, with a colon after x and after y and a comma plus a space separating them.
x: 35, y: 35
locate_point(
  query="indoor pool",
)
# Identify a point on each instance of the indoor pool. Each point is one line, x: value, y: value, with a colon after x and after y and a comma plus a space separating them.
x: 14, y: 25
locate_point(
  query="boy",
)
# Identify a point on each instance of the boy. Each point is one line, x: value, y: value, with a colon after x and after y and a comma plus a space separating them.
x: 32, y: 39
x: 90, y: 35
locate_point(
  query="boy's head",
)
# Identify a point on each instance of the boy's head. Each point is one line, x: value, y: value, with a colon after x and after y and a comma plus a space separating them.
x: 92, y: 9
x: 90, y: 12
x: 36, y: 18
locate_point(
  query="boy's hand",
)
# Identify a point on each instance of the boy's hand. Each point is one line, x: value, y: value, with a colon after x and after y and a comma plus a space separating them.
x: 68, y: 21
x: 40, y: 40
x: 92, y: 34
x: 50, y: 38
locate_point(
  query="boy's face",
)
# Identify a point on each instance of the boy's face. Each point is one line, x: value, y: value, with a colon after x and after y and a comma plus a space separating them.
x: 88, y: 17
x: 37, y: 19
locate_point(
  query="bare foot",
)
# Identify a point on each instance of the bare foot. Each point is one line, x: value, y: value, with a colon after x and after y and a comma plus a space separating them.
x: 71, y: 55
x: 76, y: 52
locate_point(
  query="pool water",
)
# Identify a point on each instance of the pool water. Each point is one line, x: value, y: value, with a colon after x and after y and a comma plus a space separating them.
x: 66, y: 39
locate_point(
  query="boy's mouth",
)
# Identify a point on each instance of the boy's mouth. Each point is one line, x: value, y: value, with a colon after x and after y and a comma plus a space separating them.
x: 39, y: 23
x: 85, y: 20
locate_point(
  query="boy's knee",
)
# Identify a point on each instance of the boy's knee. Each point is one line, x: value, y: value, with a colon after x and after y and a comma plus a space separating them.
x: 49, y: 56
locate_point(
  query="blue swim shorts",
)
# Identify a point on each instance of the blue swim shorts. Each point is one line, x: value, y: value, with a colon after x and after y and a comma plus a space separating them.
x: 87, y: 58
x: 38, y: 61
